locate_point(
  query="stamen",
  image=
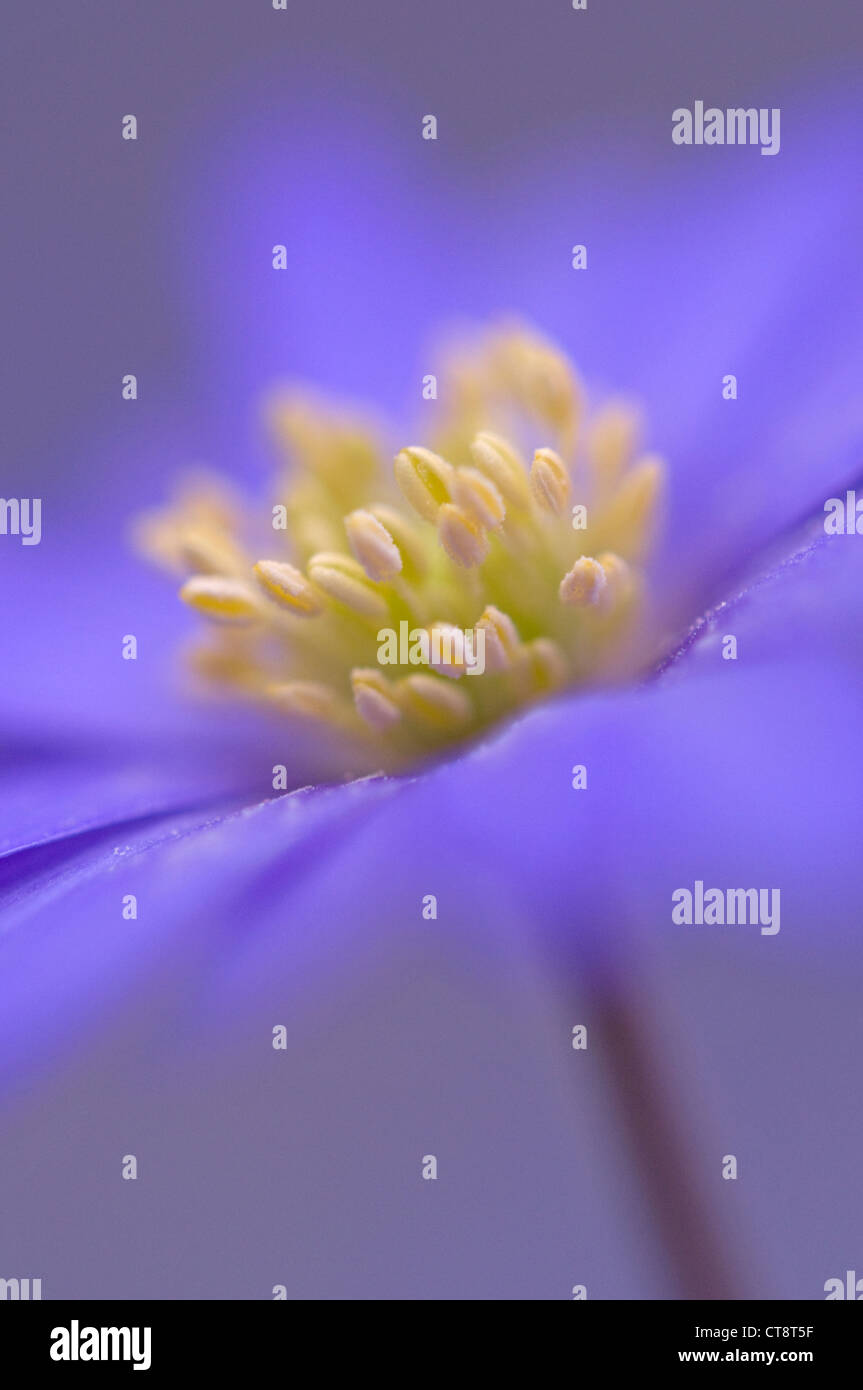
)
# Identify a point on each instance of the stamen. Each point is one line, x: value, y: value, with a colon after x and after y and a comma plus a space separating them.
x: 373, y: 546
x: 630, y: 514
x: 407, y: 536
x: 619, y: 580
x: 445, y: 640
x: 344, y: 580
x: 545, y: 665
x: 612, y: 439
x: 290, y: 586
x: 583, y: 584
x: 464, y: 541
x: 435, y: 703
x: 494, y: 457
x: 479, y: 497
x: 425, y: 479
x: 549, y: 481
x: 501, y: 639
x: 224, y: 600
x: 311, y: 699
x: 375, y: 698
x: 208, y: 552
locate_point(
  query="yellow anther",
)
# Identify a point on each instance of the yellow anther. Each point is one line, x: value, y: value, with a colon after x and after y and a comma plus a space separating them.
x: 225, y: 600
x: 337, y: 448
x: 446, y: 650
x: 206, y: 551
x: 477, y: 495
x: 619, y: 579
x: 373, y: 546
x: 224, y: 666
x: 549, y: 481
x: 551, y: 388
x: 499, y: 461
x: 375, y: 698
x: 406, y: 534
x: 311, y: 699
x: 612, y: 437
x: 501, y: 639
x: 584, y: 584
x: 535, y: 374
x: 425, y: 479
x: 344, y: 580
x: 628, y: 519
x: 465, y: 542
x: 545, y: 665
x: 290, y: 586
x: 435, y: 703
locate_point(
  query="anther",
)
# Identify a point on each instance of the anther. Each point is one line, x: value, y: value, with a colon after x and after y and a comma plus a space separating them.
x: 584, y: 584
x: 225, y: 600
x: 375, y: 698
x: 498, y: 461
x: 289, y: 586
x: 501, y: 639
x: 425, y: 479
x: 465, y: 542
x: 549, y: 481
x: 436, y: 703
x: 477, y: 495
x: 373, y: 546
x: 344, y: 580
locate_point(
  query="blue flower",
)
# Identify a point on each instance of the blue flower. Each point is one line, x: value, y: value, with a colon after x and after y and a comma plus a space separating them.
x: 429, y: 942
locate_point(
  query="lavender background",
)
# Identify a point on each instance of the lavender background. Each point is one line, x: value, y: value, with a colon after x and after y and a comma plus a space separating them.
x: 257, y: 127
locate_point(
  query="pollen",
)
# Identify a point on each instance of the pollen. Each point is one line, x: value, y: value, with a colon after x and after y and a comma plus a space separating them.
x: 348, y: 598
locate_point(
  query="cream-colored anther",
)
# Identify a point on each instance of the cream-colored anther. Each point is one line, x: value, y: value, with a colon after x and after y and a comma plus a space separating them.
x: 343, y: 579
x: 224, y: 600
x: 546, y: 664
x: 629, y: 517
x: 437, y: 704
x: 549, y: 481
x: 465, y: 542
x: 290, y: 587
x: 373, y: 546
x: 425, y: 479
x: 584, y: 584
x: 501, y: 639
x: 497, y: 459
x: 619, y: 580
x: 375, y: 698
x: 477, y: 495
x: 409, y: 537
x: 446, y: 650
x: 311, y: 699
x: 611, y: 439
x: 206, y: 550
x: 551, y: 389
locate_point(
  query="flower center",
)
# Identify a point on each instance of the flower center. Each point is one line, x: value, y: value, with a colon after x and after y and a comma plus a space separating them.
x: 406, y: 612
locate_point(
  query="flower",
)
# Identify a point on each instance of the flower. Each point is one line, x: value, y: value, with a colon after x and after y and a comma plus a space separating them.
x: 151, y: 1031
